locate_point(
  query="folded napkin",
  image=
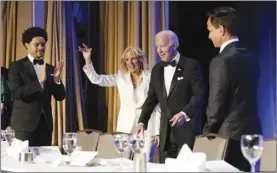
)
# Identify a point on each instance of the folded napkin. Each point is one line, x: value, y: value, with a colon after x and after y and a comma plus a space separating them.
x: 220, y: 166
x: 4, y: 146
x: 17, y: 147
x: 82, y: 158
x: 186, y: 161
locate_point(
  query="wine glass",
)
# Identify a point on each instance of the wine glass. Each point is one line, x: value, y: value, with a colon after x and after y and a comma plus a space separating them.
x: 121, y: 145
x: 252, y: 148
x: 69, y: 143
x: 8, y: 135
x: 136, y: 142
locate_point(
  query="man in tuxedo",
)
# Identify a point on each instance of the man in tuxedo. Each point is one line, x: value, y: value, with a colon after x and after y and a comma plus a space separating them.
x: 6, y: 101
x: 176, y: 83
x: 231, y: 110
x: 32, y: 82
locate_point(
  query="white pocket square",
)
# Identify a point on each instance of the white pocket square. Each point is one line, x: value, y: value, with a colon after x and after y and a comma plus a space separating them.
x: 180, y: 78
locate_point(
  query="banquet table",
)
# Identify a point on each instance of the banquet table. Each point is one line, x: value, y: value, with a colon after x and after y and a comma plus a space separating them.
x: 12, y: 165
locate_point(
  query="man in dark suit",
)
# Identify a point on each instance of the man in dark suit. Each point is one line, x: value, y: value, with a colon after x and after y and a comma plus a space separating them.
x: 231, y: 110
x: 32, y: 82
x: 6, y: 101
x: 176, y: 83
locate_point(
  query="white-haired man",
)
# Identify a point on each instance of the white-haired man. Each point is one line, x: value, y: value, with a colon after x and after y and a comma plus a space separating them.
x: 177, y: 84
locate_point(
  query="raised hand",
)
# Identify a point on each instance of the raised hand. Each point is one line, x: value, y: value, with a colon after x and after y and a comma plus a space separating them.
x: 86, y: 53
x: 58, y: 70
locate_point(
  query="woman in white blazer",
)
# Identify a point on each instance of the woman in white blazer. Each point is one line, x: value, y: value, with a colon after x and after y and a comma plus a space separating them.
x: 132, y: 81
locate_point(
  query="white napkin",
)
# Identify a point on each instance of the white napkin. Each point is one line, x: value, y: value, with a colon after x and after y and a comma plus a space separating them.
x: 82, y: 158
x: 58, y: 162
x: 46, y: 154
x: 220, y: 166
x: 186, y: 161
x: 4, y: 146
x: 17, y: 147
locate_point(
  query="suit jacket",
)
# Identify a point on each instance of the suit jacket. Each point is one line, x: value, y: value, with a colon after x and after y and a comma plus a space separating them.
x: 5, y: 99
x: 130, y: 108
x: 30, y: 99
x: 231, y: 110
x: 186, y: 94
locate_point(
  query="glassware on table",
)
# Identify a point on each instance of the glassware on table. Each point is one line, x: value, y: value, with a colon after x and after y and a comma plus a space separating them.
x: 121, y: 145
x: 8, y: 135
x: 137, y: 144
x: 69, y: 142
x: 252, y: 148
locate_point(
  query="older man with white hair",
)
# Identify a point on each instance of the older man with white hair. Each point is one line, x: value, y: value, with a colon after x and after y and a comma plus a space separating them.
x: 177, y: 84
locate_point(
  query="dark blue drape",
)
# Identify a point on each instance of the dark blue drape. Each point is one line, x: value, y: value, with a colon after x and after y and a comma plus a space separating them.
x: 73, y: 72
x: 266, y: 44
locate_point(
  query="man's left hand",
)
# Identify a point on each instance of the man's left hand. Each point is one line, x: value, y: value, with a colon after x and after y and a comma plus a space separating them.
x: 156, y: 140
x: 58, y: 70
x: 177, y: 119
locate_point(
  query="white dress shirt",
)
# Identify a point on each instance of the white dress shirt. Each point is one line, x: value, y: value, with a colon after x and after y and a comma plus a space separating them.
x: 37, y: 68
x: 226, y: 43
x: 168, y: 75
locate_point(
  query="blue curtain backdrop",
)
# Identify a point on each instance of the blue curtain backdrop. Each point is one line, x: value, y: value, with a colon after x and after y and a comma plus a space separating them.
x: 266, y: 45
x: 73, y: 71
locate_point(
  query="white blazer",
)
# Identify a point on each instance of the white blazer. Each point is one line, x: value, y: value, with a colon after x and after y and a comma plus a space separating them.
x: 130, y: 109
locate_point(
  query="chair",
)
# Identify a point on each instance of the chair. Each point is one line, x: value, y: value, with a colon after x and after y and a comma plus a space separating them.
x: 215, y: 149
x: 106, y: 147
x: 268, y: 159
x: 88, y: 139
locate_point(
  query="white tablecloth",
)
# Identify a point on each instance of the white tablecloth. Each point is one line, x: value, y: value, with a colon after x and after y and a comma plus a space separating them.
x: 11, y: 165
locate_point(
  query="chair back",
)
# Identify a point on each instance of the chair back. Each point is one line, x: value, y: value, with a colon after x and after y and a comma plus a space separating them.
x: 215, y: 149
x: 88, y: 139
x: 106, y: 147
x: 268, y: 159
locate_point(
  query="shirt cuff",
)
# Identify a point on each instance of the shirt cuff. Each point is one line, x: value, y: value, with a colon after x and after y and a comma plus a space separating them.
x: 86, y: 67
x: 58, y: 82
x: 186, y: 116
x: 140, y: 124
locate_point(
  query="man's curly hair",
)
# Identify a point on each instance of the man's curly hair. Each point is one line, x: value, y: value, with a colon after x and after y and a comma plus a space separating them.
x: 32, y: 32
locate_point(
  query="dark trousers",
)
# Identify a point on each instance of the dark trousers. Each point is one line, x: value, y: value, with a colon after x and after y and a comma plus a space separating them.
x: 234, y: 156
x: 171, y: 149
x: 42, y: 136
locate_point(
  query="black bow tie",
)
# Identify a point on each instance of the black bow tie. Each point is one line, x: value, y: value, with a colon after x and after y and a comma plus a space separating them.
x: 38, y: 61
x: 172, y: 63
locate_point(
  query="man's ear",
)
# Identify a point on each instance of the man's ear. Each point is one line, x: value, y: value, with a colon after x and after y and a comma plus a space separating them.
x: 26, y: 45
x: 175, y: 45
x: 222, y: 30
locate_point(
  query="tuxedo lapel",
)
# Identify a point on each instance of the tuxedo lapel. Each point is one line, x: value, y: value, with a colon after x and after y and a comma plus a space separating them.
x: 29, y: 68
x: 161, y: 76
x: 178, y: 72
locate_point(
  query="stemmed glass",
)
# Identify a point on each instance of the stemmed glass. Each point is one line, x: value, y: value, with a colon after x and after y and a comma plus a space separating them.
x: 69, y: 143
x: 121, y: 145
x: 252, y: 148
x: 136, y: 142
x: 8, y: 135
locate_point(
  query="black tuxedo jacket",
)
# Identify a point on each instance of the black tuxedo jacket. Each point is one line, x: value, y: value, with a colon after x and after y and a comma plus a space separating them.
x: 232, y: 109
x: 30, y: 99
x: 186, y: 94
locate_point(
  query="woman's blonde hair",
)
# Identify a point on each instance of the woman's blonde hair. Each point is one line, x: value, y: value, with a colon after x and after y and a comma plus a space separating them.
x: 137, y: 53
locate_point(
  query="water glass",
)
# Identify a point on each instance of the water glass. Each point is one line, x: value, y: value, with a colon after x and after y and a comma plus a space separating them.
x: 69, y: 142
x: 121, y: 145
x: 8, y: 135
x: 252, y: 148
